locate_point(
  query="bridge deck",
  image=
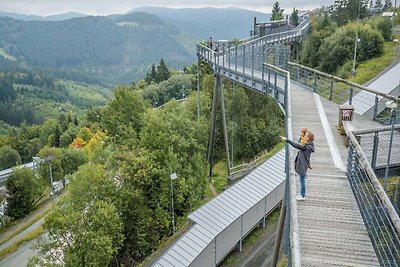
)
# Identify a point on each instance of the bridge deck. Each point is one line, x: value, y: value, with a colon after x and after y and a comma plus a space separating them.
x: 332, y: 231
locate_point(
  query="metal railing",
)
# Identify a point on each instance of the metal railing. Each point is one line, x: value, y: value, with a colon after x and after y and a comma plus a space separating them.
x: 341, y: 91
x: 289, y: 200
x: 248, y: 55
x: 379, y: 215
x: 375, y: 143
x: 241, y: 170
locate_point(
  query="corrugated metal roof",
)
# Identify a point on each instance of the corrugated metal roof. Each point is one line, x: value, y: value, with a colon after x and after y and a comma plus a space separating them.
x: 243, y: 195
x: 212, y: 218
x: 187, y: 248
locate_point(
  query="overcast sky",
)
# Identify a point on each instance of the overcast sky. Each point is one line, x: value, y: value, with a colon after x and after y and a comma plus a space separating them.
x: 106, y: 7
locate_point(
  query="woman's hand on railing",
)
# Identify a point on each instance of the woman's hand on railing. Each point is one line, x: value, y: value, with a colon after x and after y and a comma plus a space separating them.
x: 283, y: 138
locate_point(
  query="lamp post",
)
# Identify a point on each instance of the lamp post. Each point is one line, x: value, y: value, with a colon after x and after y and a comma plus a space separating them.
x: 172, y: 177
x: 353, y: 71
x: 47, y: 159
x: 393, y: 106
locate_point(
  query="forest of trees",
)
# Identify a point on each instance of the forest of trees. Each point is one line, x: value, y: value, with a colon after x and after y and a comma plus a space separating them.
x: 32, y: 96
x: 118, y: 160
x: 94, y: 49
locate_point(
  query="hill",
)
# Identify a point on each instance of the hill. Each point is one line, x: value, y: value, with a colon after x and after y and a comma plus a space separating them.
x: 32, y: 97
x: 201, y: 23
x: 58, y: 17
x: 117, y: 48
x: 94, y: 49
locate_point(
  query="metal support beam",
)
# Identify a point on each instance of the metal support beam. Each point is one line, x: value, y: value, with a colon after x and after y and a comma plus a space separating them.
x: 225, y: 128
x: 198, y: 89
x: 211, y: 140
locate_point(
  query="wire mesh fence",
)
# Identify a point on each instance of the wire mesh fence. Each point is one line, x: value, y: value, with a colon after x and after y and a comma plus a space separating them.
x: 379, y: 224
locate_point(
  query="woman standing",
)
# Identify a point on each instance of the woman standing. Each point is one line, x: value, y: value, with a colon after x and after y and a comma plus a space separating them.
x: 302, y: 161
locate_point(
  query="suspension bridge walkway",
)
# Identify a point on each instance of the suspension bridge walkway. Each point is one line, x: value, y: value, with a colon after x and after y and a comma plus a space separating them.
x: 346, y: 219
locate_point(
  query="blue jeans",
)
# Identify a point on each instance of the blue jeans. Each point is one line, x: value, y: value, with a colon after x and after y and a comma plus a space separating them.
x: 303, y: 186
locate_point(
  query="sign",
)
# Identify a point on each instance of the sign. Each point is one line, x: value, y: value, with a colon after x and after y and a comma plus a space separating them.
x: 173, y: 176
x: 346, y: 114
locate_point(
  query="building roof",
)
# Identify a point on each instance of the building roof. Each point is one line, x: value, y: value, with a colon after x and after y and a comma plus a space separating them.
x: 388, y: 14
x: 212, y: 218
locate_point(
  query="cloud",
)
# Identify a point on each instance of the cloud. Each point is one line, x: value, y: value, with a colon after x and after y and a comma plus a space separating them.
x: 105, y: 7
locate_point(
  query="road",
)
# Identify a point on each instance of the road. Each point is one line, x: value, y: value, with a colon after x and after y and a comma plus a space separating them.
x: 20, y: 257
x: 31, y: 228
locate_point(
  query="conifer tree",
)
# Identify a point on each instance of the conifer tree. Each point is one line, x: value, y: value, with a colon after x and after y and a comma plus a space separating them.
x: 378, y: 4
x: 294, y: 18
x: 387, y: 5
x: 162, y: 72
x: 151, y: 76
x: 277, y: 12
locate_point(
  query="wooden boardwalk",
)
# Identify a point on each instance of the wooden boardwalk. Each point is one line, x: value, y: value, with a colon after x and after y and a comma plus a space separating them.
x: 332, y: 231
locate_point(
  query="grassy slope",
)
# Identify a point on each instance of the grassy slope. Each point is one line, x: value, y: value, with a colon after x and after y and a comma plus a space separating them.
x: 368, y: 69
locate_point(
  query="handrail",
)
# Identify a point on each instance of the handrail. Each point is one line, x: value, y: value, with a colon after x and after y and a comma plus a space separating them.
x: 375, y: 129
x: 375, y: 182
x: 294, y: 226
x: 337, y: 79
x: 297, y: 29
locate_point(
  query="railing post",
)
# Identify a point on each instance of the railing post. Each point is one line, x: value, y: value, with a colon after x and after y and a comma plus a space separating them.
x: 244, y: 59
x: 351, y: 96
x: 305, y: 77
x: 375, y: 151
x: 262, y: 77
x: 276, y: 85
x: 223, y: 57
x: 392, y: 121
x: 229, y: 56
x: 375, y: 108
x: 252, y: 64
x: 236, y: 60
x: 315, y: 83
x: 331, y: 90
x: 217, y: 55
x: 269, y: 78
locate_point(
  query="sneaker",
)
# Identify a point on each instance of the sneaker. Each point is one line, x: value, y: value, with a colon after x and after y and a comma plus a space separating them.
x: 300, y: 198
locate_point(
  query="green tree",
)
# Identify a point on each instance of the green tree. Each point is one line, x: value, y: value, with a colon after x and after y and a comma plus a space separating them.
x: 339, y: 47
x: 9, y: 157
x: 71, y: 159
x: 378, y: 4
x: 57, y: 135
x: 349, y: 10
x: 51, y: 155
x: 86, y: 230
x: 152, y: 75
x: 122, y: 118
x: 387, y: 5
x: 65, y: 140
x: 277, y: 12
x: 163, y: 73
x: 294, y: 17
x: 23, y: 190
